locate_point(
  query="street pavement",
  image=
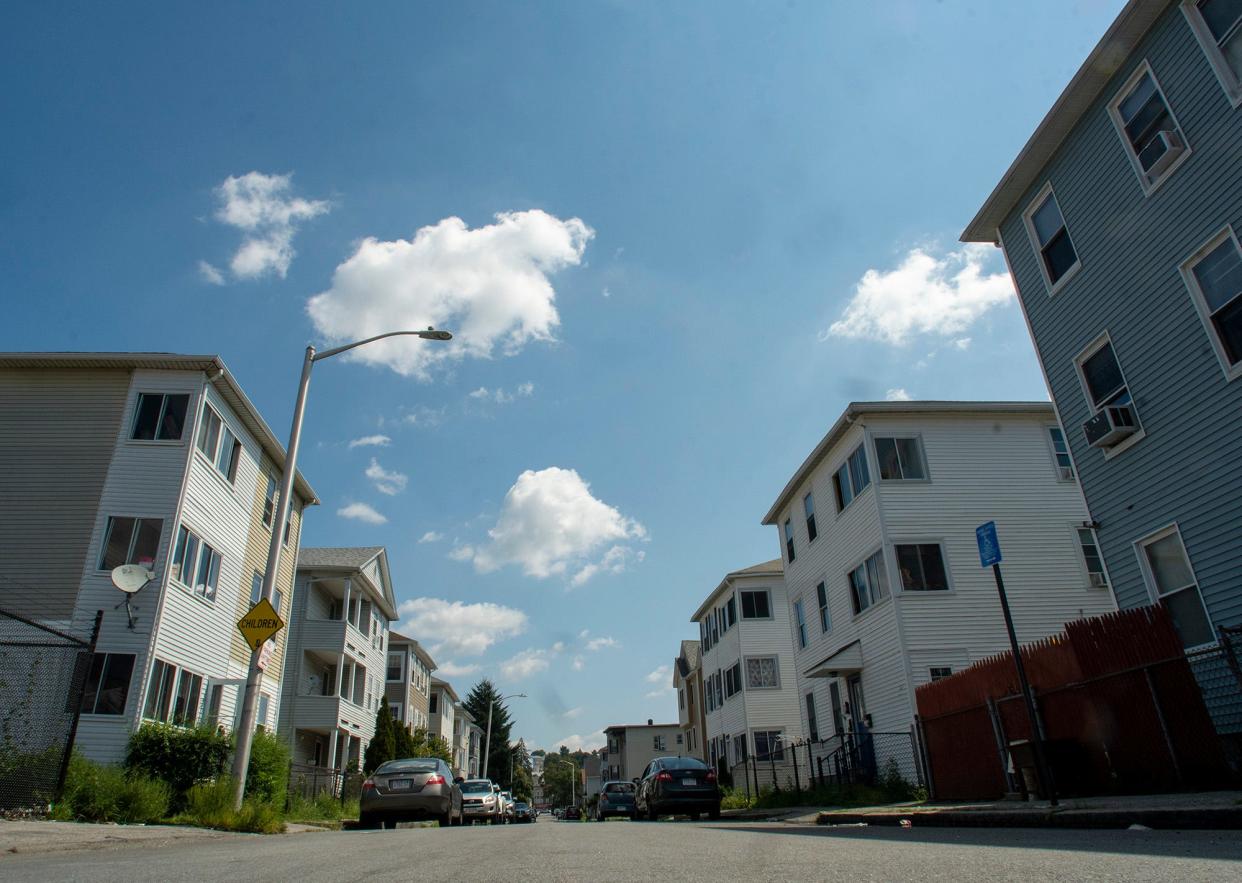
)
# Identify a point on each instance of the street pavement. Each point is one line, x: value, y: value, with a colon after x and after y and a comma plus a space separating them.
x: 623, y: 850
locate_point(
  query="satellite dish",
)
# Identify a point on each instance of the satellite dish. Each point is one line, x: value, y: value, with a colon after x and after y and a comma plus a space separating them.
x: 129, y: 578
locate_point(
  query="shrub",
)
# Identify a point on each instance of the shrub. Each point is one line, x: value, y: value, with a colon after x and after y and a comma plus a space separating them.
x: 267, y: 776
x: 735, y: 799
x: 324, y: 807
x: 179, y: 756
x: 210, y: 804
x: 98, y: 793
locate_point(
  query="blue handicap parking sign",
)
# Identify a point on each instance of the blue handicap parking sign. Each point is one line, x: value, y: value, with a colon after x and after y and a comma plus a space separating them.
x: 989, y: 545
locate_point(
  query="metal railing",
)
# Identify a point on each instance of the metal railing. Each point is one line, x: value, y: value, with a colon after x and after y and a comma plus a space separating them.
x: 890, y: 759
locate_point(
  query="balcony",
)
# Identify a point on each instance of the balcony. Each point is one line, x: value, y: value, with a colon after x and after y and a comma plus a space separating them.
x: 335, y: 636
x: 329, y: 714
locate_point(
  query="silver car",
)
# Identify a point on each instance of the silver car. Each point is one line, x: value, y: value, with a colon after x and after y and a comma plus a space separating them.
x: 411, y: 789
x: 480, y: 802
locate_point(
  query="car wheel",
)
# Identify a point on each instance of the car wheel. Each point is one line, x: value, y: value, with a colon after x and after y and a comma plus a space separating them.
x: 714, y: 813
x: 445, y: 820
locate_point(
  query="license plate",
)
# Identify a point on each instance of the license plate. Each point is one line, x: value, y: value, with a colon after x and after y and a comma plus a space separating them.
x: 400, y: 784
x: 690, y: 782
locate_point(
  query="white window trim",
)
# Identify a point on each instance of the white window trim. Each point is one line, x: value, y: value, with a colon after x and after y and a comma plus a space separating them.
x: 1149, y: 186
x: 133, y: 421
x: 849, y: 587
x: 1229, y: 81
x: 1033, y: 237
x: 917, y: 436
x: 839, y: 512
x: 740, y: 618
x: 827, y: 597
x: 797, y: 604
x: 944, y: 557
x: 1052, y: 452
x: 1074, y: 527
x: 774, y: 656
x: 1232, y: 372
x: 1149, y: 579
x: 1087, y: 352
x: 179, y: 579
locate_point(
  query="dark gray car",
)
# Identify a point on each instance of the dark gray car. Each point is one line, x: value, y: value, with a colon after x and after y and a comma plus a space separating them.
x: 411, y: 789
x: 616, y: 799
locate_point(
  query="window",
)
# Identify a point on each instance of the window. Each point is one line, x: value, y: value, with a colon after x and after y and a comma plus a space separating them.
x: 681, y: 699
x: 825, y: 619
x: 1045, y: 225
x: 394, y: 666
x: 1103, y: 383
x: 719, y: 689
x: 172, y: 695
x: 739, y: 749
x: 657, y: 743
x: 196, y: 564
x: 730, y: 610
x: 939, y: 672
x: 800, y: 622
x: 812, y: 723
x: 922, y: 567
x: 434, y: 703
x: 215, y: 696
x: 679, y: 739
x: 1060, y: 454
x: 868, y: 583
x: 130, y: 541
x: 756, y: 604
x: 107, y: 684
x: 1171, y: 580
x: 711, y: 695
x: 900, y: 459
x: 159, y: 417
x: 394, y: 708
x: 260, y: 714
x: 851, y: 478
x: 808, y: 506
x: 769, y: 745
x: 733, y: 680
x: 1153, y: 140
x: 1091, y: 558
x: 763, y: 673
x: 269, y: 501
x: 218, y: 443
x: 1214, y: 276
x: 789, y: 545
x: 1218, y: 26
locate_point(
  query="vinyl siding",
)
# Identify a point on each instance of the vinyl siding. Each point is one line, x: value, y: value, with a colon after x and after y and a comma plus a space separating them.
x: 1130, y: 247
x: 57, y: 438
x: 771, y: 709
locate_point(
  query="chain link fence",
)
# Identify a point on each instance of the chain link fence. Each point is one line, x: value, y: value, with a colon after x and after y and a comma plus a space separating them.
x: 310, y: 782
x: 43, y: 674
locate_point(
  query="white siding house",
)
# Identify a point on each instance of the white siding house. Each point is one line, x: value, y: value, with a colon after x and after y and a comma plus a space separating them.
x: 749, y: 680
x: 877, y: 533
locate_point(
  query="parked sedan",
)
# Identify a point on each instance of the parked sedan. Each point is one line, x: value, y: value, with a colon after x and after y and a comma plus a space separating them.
x: 677, y: 786
x: 616, y: 799
x: 480, y: 802
x: 411, y: 789
x: 523, y: 813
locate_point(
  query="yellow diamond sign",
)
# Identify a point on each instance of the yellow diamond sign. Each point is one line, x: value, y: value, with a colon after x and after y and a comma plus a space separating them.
x: 260, y: 624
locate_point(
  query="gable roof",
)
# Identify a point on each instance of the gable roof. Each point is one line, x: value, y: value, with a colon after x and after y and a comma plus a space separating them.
x: 1122, y: 37
x: 690, y: 657
x: 352, y: 559
x: 775, y: 567
x: 395, y: 637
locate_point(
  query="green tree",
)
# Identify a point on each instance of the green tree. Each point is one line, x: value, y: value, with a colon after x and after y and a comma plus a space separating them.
x: 559, y: 771
x: 523, y: 777
x: 477, y: 702
x: 383, y: 745
x: 426, y: 744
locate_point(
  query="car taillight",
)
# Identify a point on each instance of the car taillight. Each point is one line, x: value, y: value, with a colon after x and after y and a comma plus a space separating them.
x: 664, y: 777
x: 436, y: 779
x: 711, y: 775
x: 368, y: 785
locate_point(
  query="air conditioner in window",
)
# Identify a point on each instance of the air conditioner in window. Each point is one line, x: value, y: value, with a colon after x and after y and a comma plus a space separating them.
x: 1160, y: 153
x: 1111, y: 425
x: 1098, y: 581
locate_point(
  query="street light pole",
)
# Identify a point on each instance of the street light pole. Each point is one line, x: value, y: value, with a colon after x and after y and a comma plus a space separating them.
x: 487, y: 745
x: 245, y: 733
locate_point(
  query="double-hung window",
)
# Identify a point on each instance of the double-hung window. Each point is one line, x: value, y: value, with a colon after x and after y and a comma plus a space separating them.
x: 800, y: 622
x: 733, y: 680
x: 1214, y: 276
x: 939, y: 672
x: 922, y: 567
x: 173, y: 695
x: 196, y: 564
x: 1167, y: 570
x: 1218, y: 26
x: 825, y: 619
x: 107, y: 684
x: 756, y: 604
x: 269, y: 500
x: 256, y: 592
x: 850, y: 479
x: 1061, y: 454
x: 812, y: 723
x: 394, y: 667
x: 1045, y: 224
x: 218, y: 443
x: 763, y: 673
x: 900, y: 459
x: 130, y: 541
x: 868, y: 583
x: 1153, y: 140
x: 159, y: 416
x: 769, y: 745
x: 1105, y: 386
x: 789, y: 543
x: 808, y: 506
x: 1091, y: 558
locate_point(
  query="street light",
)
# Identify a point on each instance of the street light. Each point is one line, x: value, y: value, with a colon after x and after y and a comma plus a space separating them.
x: 245, y: 735
x: 573, y: 767
x: 487, y: 743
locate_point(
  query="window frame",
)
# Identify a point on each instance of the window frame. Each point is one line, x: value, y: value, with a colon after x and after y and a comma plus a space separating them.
x: 790, y: 553
x: 799, y: 623
x: 756, y: 618
x: 224, y: 433
x: 876, y: 595
x: 1230, y: 82
x: 133, y: 539
x: 825, y: 611
x: 808, y: 510
x: 1105, y: 339
x: 200, y: 544
x: 1148, y: 184
x: 159, y: 420
x: 944, y: 561
x: 1076, y: 529
x: 838, y: 496
x: 933, y: 677
x: 1062, y: 478
x: 1153, y: 588
x: 774, y: 755
x: 1028, y: 220
x: 812, y: 715
x: 388, y: 667
x: 104, y: 670
x: 918, y: 438
x: 776, y: 662
x: 1186, y: 268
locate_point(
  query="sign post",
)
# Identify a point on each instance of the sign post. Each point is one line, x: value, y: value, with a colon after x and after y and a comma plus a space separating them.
x: 990, y: 556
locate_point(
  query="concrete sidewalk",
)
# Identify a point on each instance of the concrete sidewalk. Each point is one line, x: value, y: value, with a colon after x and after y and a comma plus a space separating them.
x: 31, y: 836
x: 1206, y: 810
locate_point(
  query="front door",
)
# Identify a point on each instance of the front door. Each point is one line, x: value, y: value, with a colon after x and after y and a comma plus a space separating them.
x: 857, y: 709
x: 838, y: 718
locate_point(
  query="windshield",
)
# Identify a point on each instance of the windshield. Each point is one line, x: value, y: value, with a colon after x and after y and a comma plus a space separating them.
x: 483, y: 787
x: 407, y: 766
x: 620, y: 788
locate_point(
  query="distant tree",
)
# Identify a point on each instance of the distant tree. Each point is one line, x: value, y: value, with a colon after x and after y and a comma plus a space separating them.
x: 383, y: 745
x: 427, y: 744
x: 522, y: 785
x: 477, y: 703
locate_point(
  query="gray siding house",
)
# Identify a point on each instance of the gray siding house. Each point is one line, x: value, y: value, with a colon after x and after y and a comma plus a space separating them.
x: 1120, y: 221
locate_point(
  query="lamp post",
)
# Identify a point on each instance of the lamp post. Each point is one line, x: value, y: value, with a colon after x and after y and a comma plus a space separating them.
x: 245, y: 734
x: 487, y: 744
x: 573, y: 767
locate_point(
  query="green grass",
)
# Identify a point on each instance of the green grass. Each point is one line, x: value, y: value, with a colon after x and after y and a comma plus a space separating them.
x: 323, y: 809
x: 210, y: 805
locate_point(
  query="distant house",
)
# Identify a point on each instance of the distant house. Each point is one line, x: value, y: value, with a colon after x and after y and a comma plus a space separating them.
x: 153, y: 459
x: 1120, y: 220
x: 882, y: 571
x: 749, y: 676
x: 408, y: 681
x: 338, y: 643
x: 688, y: 682
x: 630, y: 747
x: 443, y: 707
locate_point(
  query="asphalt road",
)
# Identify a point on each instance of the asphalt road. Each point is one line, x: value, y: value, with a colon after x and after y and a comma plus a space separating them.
x: 624, y: 851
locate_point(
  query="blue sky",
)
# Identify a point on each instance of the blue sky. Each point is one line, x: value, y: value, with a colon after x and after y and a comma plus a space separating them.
x: 720, y: 222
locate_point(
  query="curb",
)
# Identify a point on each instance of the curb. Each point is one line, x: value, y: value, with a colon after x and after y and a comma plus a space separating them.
x: 1225, y: 818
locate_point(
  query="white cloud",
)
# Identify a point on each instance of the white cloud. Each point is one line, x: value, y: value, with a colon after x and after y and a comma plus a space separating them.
x: 454, y: 627
x: 385, y: 481
x: 500, y: 396
x: 423, y: 416
x: 589, y: 742
x: 925, y: 294
x: 461, y: 553
x: 526, y: 389
x: 260, y: 205
x: 573, y: 712
x: 658, y: 694
x: 550, y: 523
x: 962, y: 343
x: 600, y: 643
x: 371, y: 441
x: 489, y: 286
x: 578, y: 663
x: 210, y: 274
x: 452, y: 669
x: 897, y: 395
x: 524, y: 664
x: 361, y: 512
x: 661, y: 675
x: 431, y: 536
